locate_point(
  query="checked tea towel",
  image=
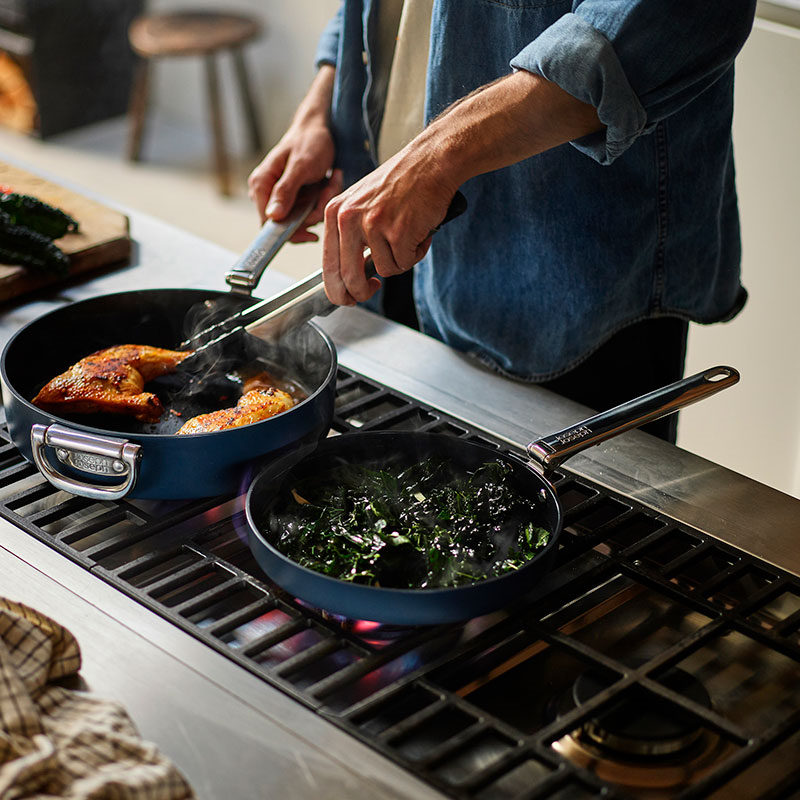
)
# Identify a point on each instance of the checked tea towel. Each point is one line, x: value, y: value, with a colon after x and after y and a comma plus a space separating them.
x: 56, y: 742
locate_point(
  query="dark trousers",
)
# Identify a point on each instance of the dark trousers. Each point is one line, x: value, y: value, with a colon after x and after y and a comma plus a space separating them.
x: 640, y: 358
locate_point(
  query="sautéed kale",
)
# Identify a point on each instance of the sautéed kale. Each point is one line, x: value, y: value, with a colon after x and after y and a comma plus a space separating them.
x: 422, y: 527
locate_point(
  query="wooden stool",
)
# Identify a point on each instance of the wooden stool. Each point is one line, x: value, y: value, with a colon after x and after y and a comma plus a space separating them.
x: 194, y: 33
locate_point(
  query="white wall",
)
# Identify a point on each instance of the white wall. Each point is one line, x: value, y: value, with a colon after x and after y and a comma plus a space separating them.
x: 753, y: 428
x: 280, y: 64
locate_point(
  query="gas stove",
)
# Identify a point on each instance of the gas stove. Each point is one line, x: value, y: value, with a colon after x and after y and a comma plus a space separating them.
x: 659, y: 657
x: 653, y: 661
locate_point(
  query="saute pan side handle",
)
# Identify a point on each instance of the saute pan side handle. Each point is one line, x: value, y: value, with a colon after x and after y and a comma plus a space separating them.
x: 99, y: 455
x: 550, y: 451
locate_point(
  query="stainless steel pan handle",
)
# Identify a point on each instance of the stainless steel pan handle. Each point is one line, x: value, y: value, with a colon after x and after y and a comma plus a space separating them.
x: 551, y: 450
x: 98, y: 455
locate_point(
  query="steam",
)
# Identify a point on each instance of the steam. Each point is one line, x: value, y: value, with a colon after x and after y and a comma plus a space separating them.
x: 212, y: 364
x: 293, y: 365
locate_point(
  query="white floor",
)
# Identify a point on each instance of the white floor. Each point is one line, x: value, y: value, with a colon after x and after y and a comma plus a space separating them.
x: 174, y: 181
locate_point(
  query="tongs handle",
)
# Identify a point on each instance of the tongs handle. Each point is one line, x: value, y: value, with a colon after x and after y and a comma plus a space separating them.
x: 245, y: 274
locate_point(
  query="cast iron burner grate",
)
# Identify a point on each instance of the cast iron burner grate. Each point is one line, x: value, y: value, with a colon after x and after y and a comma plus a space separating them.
x: 531, y: 702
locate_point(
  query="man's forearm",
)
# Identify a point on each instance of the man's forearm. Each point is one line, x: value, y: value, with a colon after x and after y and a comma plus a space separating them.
x: 505, y: 122
x: 316, y: 105
x: 304, y: 155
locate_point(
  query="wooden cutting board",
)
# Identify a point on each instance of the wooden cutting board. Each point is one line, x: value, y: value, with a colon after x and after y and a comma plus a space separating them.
x: 102, y: 239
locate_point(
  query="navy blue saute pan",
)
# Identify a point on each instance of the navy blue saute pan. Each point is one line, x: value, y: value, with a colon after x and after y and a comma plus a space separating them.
x: 107, y: 457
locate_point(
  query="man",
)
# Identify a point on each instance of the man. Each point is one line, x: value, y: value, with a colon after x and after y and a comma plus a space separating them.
x: 593, y: 143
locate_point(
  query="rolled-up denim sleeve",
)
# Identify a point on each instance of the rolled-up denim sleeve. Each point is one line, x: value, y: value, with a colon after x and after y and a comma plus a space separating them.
x: 328, y: 44
x: 637, y: 62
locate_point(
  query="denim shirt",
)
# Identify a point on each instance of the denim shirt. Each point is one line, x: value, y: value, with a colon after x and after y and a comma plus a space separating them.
x: 558, y: 252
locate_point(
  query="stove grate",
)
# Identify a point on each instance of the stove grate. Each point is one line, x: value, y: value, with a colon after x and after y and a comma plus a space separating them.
x: 485, y: 709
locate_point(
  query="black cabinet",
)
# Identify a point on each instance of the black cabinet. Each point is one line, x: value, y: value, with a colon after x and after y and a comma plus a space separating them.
x: 75, y: 56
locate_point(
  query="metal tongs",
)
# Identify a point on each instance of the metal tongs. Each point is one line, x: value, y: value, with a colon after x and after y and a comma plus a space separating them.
x: 272, y: 318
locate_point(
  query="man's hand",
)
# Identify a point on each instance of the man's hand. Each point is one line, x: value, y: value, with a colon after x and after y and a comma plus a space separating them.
x: 392, y: 210
x: 390, y: 213
x: 304, y: 155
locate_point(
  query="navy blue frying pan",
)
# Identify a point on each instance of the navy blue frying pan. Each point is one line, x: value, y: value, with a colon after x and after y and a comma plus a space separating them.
x: 390, y: 450
x: 108, y: 457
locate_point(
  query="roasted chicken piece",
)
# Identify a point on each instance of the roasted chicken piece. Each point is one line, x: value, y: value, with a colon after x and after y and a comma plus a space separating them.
x: 111, y: 381
x: 253, y: 406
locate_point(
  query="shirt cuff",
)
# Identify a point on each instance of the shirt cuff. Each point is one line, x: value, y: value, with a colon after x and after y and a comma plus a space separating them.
x: 574, y: 55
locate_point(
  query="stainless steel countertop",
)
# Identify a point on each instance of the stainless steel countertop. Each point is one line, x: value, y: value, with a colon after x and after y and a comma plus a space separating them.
x: 231, y: 734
